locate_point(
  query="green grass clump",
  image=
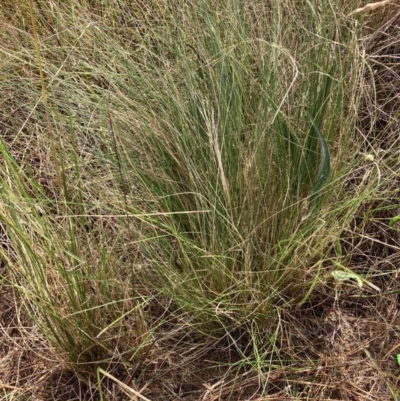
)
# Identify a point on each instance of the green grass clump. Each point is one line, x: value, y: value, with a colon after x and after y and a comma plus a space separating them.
x: 238, y: 127
x: 192, y: 150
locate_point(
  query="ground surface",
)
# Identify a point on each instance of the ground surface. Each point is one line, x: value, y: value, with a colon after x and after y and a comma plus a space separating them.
x: 346, y: 350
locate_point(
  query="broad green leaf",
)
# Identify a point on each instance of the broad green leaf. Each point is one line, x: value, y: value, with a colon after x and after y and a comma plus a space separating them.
x: 340, y: 275
x: 394, y: 221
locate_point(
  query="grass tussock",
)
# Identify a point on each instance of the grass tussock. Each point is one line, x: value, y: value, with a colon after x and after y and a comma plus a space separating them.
x: 180, y: 174
x: 232, y: 131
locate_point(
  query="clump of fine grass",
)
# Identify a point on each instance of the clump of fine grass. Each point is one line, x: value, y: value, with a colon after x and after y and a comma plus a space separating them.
x: 238, y: 130
x: 201, y: 152
x: 64, y: 243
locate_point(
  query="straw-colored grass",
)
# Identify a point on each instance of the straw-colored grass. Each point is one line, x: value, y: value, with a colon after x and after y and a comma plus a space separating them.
x: 184, y: 170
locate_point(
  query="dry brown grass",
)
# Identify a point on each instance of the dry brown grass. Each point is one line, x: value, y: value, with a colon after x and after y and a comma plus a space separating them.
x: 29, y: 367
x: 345, y: 339
x: 347, y: 349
